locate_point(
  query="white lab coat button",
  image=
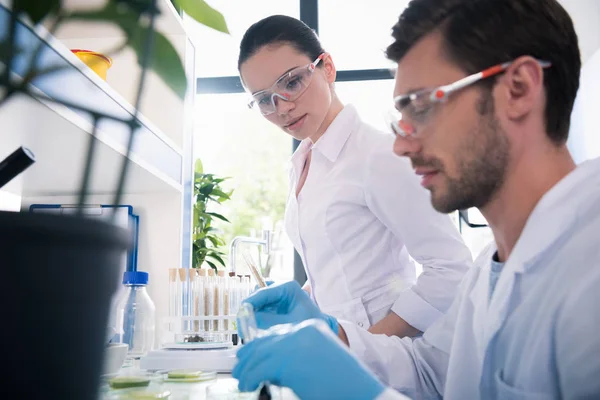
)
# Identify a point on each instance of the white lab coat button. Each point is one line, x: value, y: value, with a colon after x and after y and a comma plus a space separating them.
x: 360, y: 324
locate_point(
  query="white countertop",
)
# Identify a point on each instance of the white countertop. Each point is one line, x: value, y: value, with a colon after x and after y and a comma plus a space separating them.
x: 194, y: 391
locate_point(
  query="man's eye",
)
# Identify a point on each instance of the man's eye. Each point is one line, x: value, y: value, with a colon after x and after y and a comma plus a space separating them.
x: 418, y: 113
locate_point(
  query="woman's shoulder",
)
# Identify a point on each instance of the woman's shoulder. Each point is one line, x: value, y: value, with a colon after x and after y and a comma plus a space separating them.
x: 372, y: 142
x: 369, y: 137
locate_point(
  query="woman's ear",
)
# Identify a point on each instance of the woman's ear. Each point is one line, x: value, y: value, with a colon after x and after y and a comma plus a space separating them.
x: 329, y: 68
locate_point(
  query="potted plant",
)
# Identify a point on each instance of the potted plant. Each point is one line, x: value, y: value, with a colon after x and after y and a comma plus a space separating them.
x: 207, y: 238
x: 59, y: 272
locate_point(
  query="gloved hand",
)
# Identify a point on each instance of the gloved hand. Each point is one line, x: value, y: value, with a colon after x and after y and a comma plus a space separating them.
x: 269, y: 282
x: 286, y: 303
x: 309, y: 359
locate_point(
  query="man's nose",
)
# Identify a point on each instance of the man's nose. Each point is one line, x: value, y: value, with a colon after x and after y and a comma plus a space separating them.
x: 404, y: 147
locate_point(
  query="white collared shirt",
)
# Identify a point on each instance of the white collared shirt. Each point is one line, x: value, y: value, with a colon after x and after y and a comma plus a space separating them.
x: 538, y: 336
x: 358, y: 223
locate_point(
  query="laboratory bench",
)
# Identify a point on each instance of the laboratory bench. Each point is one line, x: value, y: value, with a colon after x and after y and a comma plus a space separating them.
x: 186, y: 391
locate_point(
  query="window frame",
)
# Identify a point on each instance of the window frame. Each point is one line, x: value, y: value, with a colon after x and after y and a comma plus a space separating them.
x: 309, y: 14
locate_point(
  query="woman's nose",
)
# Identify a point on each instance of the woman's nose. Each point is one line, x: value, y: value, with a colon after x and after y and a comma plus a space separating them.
x: 282, y: 106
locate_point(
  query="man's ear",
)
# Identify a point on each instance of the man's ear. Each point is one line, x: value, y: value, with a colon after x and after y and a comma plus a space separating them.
x: 524, y: 87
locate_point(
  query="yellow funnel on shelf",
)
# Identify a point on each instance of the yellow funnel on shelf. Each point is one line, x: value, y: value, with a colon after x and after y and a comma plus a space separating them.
x: 99, y: 63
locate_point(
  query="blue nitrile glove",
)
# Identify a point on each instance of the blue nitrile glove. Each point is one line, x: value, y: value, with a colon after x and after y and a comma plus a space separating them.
x: 309, y: 359
x: 268, y: 282
x: 284, y: 304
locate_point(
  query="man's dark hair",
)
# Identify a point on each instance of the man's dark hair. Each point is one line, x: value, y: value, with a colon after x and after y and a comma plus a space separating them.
x: 279, y: 29
x: 478, y: 34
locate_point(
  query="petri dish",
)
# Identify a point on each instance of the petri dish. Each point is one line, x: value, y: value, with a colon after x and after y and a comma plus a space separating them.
x: 139, y: 394
x: 189, y: 376
x: 227, y: 389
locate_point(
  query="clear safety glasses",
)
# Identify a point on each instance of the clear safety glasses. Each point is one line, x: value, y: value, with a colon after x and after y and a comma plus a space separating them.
x: 416, y: 110
x: 288, y: 87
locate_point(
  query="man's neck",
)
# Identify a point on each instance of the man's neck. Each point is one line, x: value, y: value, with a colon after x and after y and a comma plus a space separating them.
x: 526, y: 183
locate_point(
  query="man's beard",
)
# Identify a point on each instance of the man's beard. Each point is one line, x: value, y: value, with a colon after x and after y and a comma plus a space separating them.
x: 481, y: 163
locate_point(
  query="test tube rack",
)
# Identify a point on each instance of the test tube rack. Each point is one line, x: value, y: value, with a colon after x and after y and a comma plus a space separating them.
x: 203, y: 307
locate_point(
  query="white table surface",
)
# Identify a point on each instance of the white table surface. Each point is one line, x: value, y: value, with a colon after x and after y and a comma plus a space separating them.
x: 192, y: 391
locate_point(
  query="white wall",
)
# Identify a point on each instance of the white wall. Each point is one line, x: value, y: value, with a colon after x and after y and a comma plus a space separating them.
x: 586, y: 17
x: 159, y: 213
x: 584, y: 137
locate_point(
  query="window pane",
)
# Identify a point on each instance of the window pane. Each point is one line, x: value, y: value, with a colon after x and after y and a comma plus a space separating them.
x: 217, y: 52
x: 476, y: 239
x: 371, y: 99
x: 236, y: 142
x: 356, y: 32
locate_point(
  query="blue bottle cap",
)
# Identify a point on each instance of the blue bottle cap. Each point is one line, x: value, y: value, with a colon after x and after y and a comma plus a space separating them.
x: 135, y: 278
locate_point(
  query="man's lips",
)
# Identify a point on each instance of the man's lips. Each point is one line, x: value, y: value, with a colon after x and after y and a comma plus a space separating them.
x: 427, y: 175
x: 425, y: 171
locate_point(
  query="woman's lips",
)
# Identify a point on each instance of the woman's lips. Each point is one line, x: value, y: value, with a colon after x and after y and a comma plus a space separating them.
x: 296, y: 124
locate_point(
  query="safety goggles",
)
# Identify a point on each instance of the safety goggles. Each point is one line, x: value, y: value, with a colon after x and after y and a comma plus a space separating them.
x: 419, y: 107
x: 288, y: 87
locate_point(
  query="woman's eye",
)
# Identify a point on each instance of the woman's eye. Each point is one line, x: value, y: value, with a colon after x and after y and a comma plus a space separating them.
x: 293, y: 83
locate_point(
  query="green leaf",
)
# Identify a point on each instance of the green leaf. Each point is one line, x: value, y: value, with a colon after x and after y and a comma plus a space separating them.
x: 207, y: 189
x: 165, y: 61
x: 5, y: 50
x: 199, y: 236
x: 219, y: 216
x: 123, y: 17
x: 215, y: 241
x: 212, y: 265
x: 220, y: 194
x: 37, y: 10
x: 198, y: 167
x: 141, y: 6
x: 204, y: 14
x: 216, y: 257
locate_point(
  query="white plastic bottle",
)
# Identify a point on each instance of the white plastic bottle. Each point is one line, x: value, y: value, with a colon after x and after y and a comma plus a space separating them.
x: 136, y: 315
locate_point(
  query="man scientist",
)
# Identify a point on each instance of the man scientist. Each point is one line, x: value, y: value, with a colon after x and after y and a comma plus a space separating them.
x: 485, y: 90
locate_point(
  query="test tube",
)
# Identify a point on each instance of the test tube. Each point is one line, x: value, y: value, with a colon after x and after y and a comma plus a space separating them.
x: 218, y: 302
x: 254, y: 270
x: 193, y: 273
x: 223, y: 301
x: 200, y: 297
x: 173, y: 297
x: 246, y: 288
x: 173, y: 292
x: 209, y: 298
x: 247, y: 322
x: 234, y: 302
x: 183, y: 307
x: 249, y: 329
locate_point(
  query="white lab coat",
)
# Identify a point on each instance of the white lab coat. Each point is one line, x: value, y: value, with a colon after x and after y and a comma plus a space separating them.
x: 360, y: 217
x: 538, y: 336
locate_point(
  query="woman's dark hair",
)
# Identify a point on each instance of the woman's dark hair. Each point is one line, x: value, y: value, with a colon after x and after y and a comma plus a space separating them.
x: 480, y: 33
x: 279, y: 29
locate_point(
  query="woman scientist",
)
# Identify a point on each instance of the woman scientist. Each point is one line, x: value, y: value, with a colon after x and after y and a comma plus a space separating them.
x: 356, y: 213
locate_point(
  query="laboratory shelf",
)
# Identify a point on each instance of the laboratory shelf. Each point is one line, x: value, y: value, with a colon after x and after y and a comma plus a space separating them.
x: 58, y: 135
